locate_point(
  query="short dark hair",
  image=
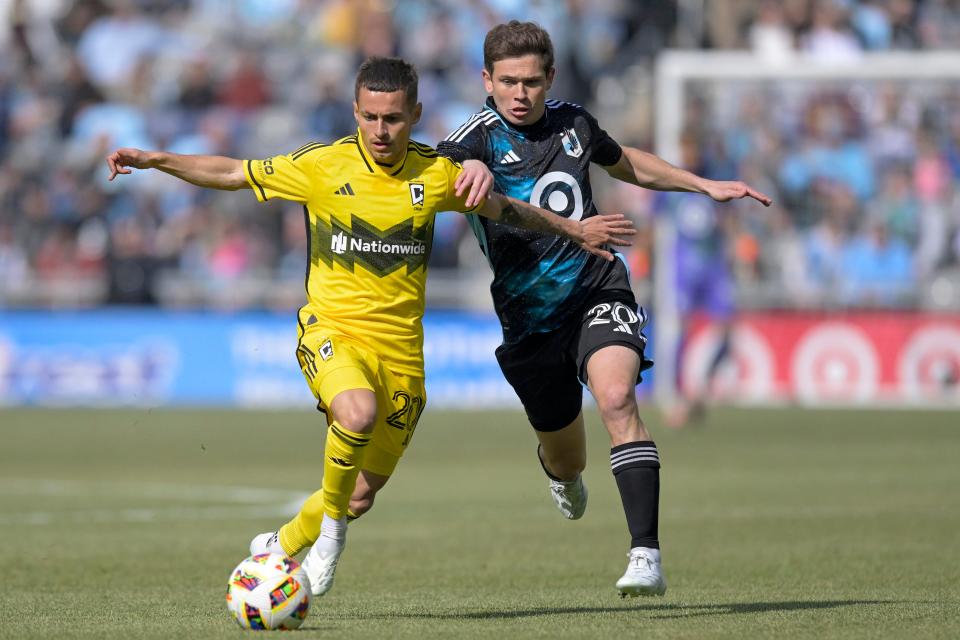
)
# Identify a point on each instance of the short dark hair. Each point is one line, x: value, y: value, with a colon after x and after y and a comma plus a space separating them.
x: 515, y: 39
x: 387, y: 75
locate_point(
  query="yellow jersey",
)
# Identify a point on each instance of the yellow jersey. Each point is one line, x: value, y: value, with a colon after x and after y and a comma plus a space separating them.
x: 369, y: 232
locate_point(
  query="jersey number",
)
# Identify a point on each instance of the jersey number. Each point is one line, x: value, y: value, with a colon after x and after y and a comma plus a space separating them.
x: 619, y: 313
x: 407, y: 415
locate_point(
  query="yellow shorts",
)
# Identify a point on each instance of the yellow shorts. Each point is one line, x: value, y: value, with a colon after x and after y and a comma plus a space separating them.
x: 332, y: 363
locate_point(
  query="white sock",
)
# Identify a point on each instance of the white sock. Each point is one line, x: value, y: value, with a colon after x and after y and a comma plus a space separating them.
x: 335, y: 530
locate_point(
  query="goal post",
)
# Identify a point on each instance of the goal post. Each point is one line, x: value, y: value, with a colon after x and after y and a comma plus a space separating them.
x: 676, y: 72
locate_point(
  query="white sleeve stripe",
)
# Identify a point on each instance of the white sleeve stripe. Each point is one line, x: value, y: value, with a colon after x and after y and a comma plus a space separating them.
x: 482, y: 115
x: 469, y: 124
x: 560, y: 103
x: 460, y: 128
x: 489, y: 119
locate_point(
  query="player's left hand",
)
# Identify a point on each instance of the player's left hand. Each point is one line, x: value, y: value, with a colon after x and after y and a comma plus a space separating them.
x: 606, y: 229
x: 477, y: 178
x: 724, y: 191
x: 121, y: 160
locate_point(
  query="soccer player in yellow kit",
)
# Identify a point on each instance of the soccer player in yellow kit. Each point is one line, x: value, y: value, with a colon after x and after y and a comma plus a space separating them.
x: 370, y: 201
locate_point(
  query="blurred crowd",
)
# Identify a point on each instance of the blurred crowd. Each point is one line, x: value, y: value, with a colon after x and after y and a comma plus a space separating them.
x: 863, y: 172
x: 864, y: 177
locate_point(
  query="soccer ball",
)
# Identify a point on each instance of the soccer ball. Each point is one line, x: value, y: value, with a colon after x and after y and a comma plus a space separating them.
x: 268, y: 591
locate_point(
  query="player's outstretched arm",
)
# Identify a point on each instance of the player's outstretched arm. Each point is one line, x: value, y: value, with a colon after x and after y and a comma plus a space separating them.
x: 215, y: 172
x: 476, y: 177
x: 592, y: 234
x: 647, y: 170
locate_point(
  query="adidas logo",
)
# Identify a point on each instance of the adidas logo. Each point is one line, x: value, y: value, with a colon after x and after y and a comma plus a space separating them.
x: 510, y: 158
x: 345, y: 190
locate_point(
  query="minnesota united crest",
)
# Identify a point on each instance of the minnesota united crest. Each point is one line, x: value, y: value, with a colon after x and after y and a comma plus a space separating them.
x: 571, y: 144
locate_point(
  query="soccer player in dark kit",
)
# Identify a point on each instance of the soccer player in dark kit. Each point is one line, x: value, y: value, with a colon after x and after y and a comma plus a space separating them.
x: 568, y: 318
x: 370, y: 200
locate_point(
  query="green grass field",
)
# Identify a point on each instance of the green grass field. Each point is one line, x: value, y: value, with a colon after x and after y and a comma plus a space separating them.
x: 781, y: 523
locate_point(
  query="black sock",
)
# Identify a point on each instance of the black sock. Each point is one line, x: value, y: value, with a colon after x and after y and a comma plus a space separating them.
x: 636, y: 467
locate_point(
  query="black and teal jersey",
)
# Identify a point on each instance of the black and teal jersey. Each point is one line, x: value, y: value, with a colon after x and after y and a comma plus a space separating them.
x: 539, y: 279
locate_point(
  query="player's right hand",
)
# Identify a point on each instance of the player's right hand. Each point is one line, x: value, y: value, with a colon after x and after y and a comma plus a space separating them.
x: 477, y: 178
x: 727, y: 190
x: 602, y: 230
x: 121, y: 159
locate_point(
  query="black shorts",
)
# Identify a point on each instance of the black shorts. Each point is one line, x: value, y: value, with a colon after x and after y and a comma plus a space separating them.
x: 548, y: 370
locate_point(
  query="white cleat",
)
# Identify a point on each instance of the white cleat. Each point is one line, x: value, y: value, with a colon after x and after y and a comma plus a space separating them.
x: 268, y: 542
x: 570, y: 497
x: 320, y: 564
x: 643, y: 577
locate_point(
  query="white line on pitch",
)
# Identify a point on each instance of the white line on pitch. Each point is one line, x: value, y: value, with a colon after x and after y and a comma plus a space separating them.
x: 249, y: 495
x: 244, y: 502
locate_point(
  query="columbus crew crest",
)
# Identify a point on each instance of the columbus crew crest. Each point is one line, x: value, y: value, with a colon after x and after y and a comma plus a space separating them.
x: 416, y: 194
x: 326, y: 350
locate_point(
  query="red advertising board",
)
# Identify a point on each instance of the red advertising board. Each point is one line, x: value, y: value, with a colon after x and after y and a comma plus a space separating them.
x: 825, y: 359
